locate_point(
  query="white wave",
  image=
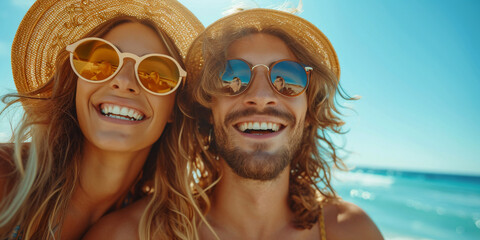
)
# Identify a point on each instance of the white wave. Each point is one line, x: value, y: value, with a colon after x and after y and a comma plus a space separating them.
x: 364, y: 179
x: 358, y: 193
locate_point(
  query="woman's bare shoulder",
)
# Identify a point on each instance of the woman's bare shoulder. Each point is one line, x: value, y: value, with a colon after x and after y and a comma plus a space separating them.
x: 119, y: 225
x: 345, y: 220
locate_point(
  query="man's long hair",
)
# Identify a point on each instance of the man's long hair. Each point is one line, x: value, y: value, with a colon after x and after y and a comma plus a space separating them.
x: 310, y: 174
x: 42, y: 174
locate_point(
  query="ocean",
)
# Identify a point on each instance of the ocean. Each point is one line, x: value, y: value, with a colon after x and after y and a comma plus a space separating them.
x: 415, y: 205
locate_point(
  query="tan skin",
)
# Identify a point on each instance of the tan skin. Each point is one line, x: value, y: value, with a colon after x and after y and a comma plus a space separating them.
x: 115, y: 151
x: 251, y: 209
x: 119, y: 225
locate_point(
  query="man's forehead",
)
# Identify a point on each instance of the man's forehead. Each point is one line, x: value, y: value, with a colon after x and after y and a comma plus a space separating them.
x: 259, y: 48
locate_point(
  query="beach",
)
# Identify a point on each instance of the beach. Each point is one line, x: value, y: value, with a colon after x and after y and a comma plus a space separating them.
x: 415, y: 205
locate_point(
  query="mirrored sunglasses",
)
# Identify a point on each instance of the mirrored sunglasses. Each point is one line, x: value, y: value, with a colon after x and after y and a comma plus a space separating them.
x: 96, y: 60
x: 287, y: 77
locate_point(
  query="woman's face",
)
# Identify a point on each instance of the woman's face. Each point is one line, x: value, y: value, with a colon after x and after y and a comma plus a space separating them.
x: 123, y: 97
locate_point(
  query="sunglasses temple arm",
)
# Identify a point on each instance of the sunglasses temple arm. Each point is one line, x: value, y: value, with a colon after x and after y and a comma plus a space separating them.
x: 309, y: 71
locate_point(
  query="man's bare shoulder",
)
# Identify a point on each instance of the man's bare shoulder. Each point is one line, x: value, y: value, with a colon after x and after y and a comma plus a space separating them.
x: 119, y: 225
x: 345, y: 220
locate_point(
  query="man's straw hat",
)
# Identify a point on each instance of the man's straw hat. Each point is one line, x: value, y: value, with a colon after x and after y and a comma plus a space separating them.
x: 50, y: 25
x: 259, y: 18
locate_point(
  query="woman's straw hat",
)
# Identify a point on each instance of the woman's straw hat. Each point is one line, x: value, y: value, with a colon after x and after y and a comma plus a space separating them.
x: 259, y: 18
x: 50, y: 25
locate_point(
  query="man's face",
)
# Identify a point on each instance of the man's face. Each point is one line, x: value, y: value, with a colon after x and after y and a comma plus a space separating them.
x: 259, y: 131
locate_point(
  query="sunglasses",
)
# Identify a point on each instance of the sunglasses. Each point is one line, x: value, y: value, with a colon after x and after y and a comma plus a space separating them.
x: 96, y: 60
x: 287, y: 77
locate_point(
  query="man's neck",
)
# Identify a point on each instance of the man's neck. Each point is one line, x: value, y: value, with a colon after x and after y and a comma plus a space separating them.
x: 250, y: 209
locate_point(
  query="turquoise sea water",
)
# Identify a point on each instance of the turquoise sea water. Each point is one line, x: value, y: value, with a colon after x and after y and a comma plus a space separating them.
x: 415, y: 206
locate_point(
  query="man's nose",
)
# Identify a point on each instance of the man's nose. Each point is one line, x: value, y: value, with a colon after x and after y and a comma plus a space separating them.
x: 260, y: 94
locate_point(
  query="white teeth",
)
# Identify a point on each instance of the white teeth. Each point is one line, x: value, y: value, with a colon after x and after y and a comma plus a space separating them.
x: 274, y: 127
x: 119, y: 112
x: 243, y: 127
x: 109, y: 108
x: 116, y: 110
x: 124, y: 111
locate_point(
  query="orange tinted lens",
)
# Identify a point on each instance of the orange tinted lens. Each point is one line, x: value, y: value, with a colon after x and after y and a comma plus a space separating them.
x: 95, y: 60
x: 158, y: 74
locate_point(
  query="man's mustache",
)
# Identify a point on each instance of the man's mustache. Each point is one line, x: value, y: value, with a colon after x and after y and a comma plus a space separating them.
x: 286, y: 116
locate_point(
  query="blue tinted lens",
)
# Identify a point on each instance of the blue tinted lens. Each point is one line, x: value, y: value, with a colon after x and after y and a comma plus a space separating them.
x: 289, y: 78
x: 236, y: 76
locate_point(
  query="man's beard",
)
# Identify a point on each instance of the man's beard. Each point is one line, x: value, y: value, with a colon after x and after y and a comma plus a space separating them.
x: 258, y: 164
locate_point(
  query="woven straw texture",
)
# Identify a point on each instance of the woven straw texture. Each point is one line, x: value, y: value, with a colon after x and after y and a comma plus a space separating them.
x: 302, y: 30
x: 50, y: 25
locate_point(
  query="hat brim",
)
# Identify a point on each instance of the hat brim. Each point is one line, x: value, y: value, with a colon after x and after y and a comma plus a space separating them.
x: 302, y: 30
x: 50, y: 25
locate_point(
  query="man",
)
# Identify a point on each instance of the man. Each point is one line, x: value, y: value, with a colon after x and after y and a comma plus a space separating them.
x: 266, y: 154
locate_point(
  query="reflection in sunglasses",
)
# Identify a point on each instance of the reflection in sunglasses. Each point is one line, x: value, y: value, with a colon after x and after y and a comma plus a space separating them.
x: 279, y: 83
x: 94, y: 71
x: 155, y: 82
x: 97, y: 60
x: 287, y: 77
x: 233, y: 87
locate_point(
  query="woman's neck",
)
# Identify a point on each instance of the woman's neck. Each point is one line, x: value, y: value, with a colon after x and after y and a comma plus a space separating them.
x: 104, y: 178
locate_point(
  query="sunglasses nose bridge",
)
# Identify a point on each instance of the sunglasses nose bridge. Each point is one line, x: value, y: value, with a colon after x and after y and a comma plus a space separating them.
x: 129, y: 56
x: 126, y: 78
x: 259, y: 93
x: 261, y: 65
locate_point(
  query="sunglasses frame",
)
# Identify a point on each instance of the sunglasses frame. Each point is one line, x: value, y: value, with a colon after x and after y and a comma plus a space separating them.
x: 308, y: 72
x: 122, y: 55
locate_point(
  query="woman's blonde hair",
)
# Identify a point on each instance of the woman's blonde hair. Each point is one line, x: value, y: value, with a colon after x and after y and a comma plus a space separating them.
x: 310, y: 175
x: 44, y: 172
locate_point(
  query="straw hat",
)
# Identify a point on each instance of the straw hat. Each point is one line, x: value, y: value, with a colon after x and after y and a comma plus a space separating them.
x: 302, y: 30
x: 50, y: 25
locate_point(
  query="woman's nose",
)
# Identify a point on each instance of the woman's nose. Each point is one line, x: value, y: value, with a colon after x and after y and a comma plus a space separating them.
x: 125, y: 80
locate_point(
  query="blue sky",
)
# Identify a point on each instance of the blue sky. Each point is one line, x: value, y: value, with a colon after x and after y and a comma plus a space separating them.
x: 415, y: 64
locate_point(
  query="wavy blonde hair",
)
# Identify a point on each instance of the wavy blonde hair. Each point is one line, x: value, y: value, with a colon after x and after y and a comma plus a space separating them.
x: 43, y: 173
x: 310, y: 174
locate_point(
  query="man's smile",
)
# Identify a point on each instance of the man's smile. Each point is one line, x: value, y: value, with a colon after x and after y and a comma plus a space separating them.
x: 258, y: 128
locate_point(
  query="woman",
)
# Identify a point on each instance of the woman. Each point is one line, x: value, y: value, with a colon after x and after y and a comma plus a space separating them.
x: 97, y: 81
